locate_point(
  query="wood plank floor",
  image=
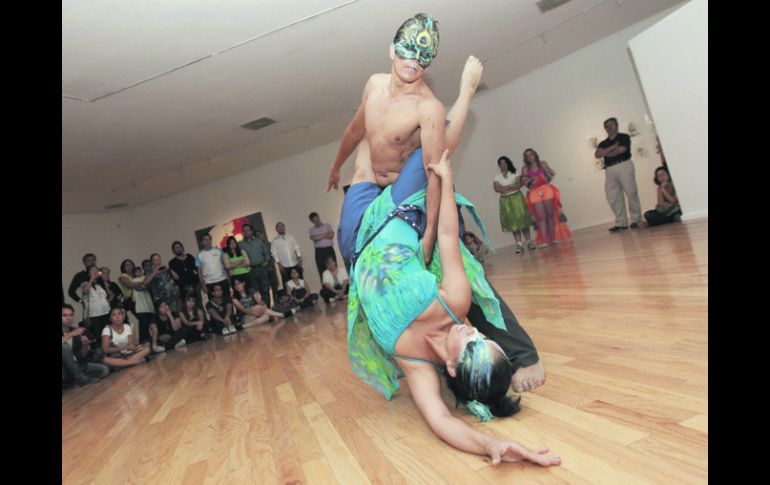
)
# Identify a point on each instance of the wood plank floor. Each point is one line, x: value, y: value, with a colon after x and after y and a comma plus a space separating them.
x: 620, y: 321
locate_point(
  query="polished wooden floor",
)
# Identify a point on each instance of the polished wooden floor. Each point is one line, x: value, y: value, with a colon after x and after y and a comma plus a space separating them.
x: 620, y: 321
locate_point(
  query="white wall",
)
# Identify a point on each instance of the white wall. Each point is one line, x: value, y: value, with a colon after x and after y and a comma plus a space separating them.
x: 671, y: 58
x: 555, y: 110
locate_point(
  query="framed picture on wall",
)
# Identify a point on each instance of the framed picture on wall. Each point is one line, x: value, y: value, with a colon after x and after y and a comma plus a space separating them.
x: 220, y: 232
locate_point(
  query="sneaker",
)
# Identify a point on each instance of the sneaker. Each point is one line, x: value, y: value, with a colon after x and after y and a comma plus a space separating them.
x: 158, y: 349
x: 543, y: 246
x: 181, y: 343
x: 617, y: 228
x: 554, y: 242
x: 294, y: 311
x: 531, y: 245
x: 205, y: 336
x: 519, y: 247
x: 232, y: 329
x: 634, y: 225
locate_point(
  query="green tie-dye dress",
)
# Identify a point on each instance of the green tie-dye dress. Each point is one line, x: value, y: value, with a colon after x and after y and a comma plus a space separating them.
x: 391, y: 286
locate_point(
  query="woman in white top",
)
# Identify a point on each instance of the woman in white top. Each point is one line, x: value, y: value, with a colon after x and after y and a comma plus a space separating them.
x: 299, y: 291
x: 335, y: 282
x: 118, y: 342
x: 514, y: 213
x: 96, y: 300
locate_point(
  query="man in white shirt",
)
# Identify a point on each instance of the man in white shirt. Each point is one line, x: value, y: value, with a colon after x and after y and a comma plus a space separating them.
x: 211, y: 269
x: 285, y: 251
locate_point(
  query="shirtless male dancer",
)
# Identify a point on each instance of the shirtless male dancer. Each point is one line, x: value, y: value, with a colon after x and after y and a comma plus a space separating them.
x: 400, y: 120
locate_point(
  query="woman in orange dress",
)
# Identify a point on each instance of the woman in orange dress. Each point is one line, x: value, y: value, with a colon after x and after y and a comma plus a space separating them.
x: 544, y: 200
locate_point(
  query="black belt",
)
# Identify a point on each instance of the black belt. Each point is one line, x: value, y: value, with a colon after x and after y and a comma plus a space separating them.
x: 616, y: 163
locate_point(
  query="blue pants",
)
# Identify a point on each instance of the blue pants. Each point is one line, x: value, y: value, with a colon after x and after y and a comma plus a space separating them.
x: 359, y: 196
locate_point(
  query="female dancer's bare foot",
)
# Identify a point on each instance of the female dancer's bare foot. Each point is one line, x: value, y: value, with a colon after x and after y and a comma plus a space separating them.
x: 528, y: 378
x: 471, y: 75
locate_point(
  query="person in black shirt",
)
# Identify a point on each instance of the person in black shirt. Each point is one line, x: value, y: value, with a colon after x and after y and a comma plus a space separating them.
x: 183, y: 270
x: 620, y: 176
x: 89, y: 259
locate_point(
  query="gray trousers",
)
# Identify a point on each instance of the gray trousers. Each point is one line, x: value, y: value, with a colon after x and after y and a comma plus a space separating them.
x: 73, y: 370
x: 619, y: 184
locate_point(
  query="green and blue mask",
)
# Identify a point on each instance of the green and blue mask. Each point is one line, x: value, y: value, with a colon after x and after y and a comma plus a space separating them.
x: 417, y: 39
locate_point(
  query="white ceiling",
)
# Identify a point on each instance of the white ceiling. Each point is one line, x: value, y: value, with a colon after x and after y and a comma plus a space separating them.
x: 154, y: 93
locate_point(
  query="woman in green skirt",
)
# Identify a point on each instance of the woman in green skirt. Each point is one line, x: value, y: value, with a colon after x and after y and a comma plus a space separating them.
x: 514, y: 213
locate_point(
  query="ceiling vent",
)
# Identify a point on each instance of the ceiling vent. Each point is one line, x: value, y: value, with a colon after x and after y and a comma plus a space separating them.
x: 258, y: 124
x: 546, y: 5
x: 115, y: 206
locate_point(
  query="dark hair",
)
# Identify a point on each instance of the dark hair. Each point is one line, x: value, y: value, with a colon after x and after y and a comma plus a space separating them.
x: 200, y: 239
x: 524, y: 157
x: 508, y: 162
x: 175, y: 243
x: 665, y: 169
x: 145, y: 261
x: 88, y: 255
x: 230, y: 251
x: 67, y: 305
x: 326, y: 263
x: 312, y: 215
x: 123, y: 265
x: 613, y: 119
x: 117, y: 307
x: 490, y: 390
x: 476, y: 239
x: 249, y: 226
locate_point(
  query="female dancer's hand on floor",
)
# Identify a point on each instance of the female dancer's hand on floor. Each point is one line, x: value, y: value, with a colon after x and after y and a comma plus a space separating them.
x: 512, y: 451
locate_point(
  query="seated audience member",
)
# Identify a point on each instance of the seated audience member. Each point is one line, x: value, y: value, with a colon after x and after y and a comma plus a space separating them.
x: 667, y: 210
x: 476, y: 246
x: 168, y: 329
x: 194, y: 318
x: 299, y: 291
x: 335, y: 282
x: 74, y: 351
x: 221, y: 311
x: 118, y: 342
x: 248, y: 303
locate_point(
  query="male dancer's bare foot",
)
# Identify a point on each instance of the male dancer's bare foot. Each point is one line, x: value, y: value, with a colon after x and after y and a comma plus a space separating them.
x: 528, y: 378
x: 471, y: 75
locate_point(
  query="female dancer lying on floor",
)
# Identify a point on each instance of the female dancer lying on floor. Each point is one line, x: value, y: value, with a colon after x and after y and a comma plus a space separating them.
x: 398, y: 309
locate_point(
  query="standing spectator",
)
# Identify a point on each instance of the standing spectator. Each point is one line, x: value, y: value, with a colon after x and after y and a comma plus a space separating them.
x: 145, y: 309
x: 161, y: 284
x: 299, y: 291
x: 259, y: 258
x: 514, y: 213
x: 236, y: 261
x: 271, y: 274
x: 116, y: 293
x: 89, y: 259
x: 96, y: 300
x: 126, y: 284
x: 119, y: 343
x: 286, y: 252
x: 335, y: 282
x: 667, y: 210
x: 73, y: 343
x: 543, y: 199
x: 183, y: 270
x: 620, y: 176
x: 322, y: 236
x: 220, y: 310
x: 211, y: 270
